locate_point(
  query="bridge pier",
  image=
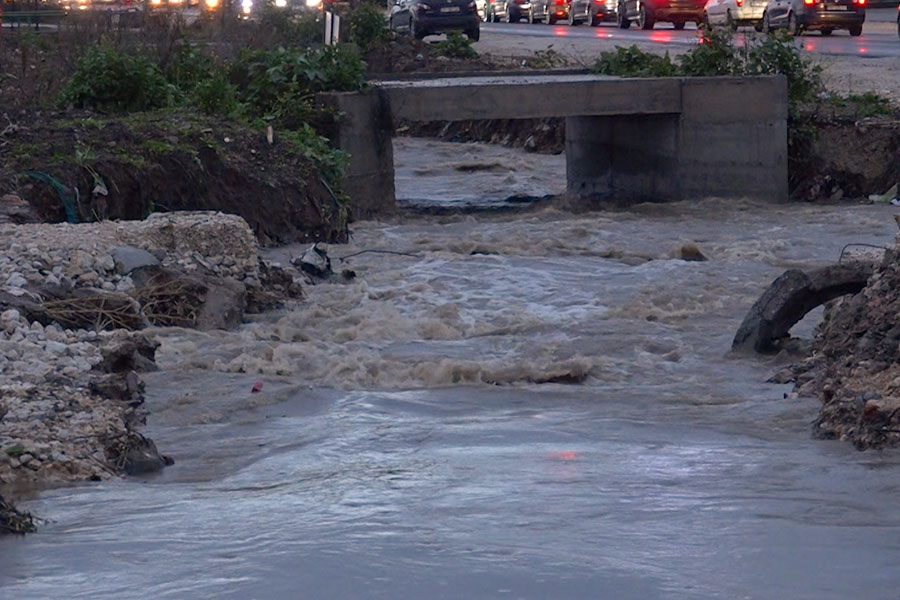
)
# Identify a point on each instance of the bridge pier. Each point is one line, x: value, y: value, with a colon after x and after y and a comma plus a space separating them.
x: 623, y: 159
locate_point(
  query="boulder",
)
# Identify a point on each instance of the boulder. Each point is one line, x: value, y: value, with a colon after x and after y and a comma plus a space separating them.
x: 129, y: 258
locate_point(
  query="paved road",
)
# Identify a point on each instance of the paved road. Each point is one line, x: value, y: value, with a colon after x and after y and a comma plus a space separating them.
x: 879, y: 38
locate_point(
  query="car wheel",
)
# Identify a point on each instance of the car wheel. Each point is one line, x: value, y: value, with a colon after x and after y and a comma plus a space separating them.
x: 486, y: 17
x: 531, y: 16
x: 793, y: 28
x: 508, y: 18
x: 856, y: 30
x: 593, y: 18
x: 678, y: 25
x: 474, y: 34
x: 706, y: 23
x: 549, y: 17
x: 766, y: 25
x: 621, y: 19
x: 730, y: 22
x: 645, y: 17
x: 758, y: 28
x: 572, y: 20
x: 827, y: 31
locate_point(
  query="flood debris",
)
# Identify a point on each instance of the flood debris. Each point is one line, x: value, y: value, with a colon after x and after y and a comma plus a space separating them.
x: 13, y: 521
x: 314, y: 261
x: 74, y: 300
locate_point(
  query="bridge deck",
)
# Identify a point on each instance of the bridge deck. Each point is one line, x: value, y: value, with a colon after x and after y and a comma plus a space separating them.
x: 528, y: 97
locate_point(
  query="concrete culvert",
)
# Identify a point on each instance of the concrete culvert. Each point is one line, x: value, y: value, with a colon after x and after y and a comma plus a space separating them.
x: 791, y: 296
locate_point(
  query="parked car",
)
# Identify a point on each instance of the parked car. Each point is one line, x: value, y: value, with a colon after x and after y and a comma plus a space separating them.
x: 548, y: 11
x: 646, y: 13
x: 733, y: 13
x: 798, y: 16
x: 419, y: 18
x: 592, y: 12
x: 511, y: 11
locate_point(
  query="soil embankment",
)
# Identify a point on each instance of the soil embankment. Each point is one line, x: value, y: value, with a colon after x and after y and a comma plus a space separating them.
x: 77, y: 166
x: 855, y: 366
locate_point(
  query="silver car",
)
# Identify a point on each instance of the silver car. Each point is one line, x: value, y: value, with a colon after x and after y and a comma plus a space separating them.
x: 733, y: 13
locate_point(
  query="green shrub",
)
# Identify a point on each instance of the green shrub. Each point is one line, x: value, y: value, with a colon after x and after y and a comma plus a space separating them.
x: 634, y: 62
x: 714, y: 55
x: 456, y: 46
x: 112, y: 80
x: 776, y: 54
x: 280, y: 85
x: 368, y: 26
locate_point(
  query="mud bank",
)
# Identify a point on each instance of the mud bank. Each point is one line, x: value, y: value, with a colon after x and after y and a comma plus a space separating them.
x: 72, y: 298
x: 855, y: 366
x: 78, y: 166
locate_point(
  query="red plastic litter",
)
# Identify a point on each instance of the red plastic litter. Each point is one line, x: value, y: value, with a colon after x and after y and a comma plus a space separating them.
x: 257, y: 387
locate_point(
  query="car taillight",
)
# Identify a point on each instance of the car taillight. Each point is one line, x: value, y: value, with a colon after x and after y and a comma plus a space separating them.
x: 809, y: 2
x: 860, y: 2
x: 739, y: 2
x: 560, y: 2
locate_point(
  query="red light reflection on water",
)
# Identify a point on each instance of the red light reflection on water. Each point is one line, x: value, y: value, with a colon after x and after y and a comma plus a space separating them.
x: 863, y: 50
x: 810, y: 47
x: 663, y: 37
x: 561, y: 32
x: 564, y: 455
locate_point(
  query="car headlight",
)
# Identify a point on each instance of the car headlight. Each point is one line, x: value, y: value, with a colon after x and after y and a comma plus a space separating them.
x: 246, y: 6
x: 280, y: 3
x: 212, y: 3
x: 313, y: 3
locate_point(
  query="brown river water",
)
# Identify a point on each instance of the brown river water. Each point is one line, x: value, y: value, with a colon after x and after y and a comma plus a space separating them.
x: 419, y: 434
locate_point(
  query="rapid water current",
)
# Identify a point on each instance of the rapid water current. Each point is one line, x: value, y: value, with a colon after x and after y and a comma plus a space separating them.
x: 535, y: 405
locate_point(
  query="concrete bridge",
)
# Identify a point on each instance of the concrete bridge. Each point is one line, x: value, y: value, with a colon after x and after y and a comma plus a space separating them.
x: 627, y: 140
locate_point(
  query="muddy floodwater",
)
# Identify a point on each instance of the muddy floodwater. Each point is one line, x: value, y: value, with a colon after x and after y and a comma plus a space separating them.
x: 539, y: 405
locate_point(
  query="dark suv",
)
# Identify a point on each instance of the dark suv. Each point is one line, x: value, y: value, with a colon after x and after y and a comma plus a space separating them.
x: 419, y: 18
x: 649, y: 12
x: 799, y: 15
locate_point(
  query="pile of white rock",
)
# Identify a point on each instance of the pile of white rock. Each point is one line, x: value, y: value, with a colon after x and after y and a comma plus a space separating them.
x: 53, y: 426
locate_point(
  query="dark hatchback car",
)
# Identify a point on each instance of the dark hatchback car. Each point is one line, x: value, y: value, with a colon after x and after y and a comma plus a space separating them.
x: 511, y: 11
x: 647, y: 13
x: 592, y: 12
x: 548, y: 11
x: 419, y: 18
x: 798, y: 16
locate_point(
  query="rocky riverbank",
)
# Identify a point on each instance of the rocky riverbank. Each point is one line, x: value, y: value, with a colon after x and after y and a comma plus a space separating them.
x: 855, y: 366
x: 72, y: 301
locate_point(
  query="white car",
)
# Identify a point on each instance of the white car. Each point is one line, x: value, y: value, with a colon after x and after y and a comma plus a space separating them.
x: 733, y: 13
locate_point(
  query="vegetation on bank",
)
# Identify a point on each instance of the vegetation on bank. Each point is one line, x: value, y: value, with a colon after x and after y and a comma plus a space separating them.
x: 172, y: 92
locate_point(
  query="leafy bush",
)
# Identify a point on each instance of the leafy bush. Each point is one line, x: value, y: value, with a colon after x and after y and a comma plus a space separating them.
x: 714, y: 55
x: 456, y: 46
x: 280, y: 85
x: 634, y: 62
x: 368, y: 26
x: 776, y: 54
x: 112, y: 80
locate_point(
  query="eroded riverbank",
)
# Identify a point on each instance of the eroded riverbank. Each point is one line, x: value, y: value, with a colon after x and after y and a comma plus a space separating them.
x: 402, y: 441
